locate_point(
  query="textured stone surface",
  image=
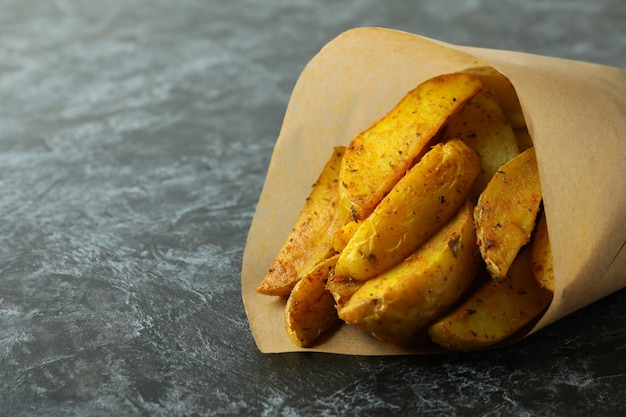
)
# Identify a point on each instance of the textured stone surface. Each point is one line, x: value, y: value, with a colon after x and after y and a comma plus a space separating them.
x: 134, y: 139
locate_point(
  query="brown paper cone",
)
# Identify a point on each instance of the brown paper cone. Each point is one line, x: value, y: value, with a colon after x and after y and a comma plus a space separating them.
x: 576, y: 115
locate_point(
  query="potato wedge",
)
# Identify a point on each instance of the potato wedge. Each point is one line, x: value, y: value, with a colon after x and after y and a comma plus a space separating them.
x: 378, y: 157
x: 397, y: 304
x: 342, y: 288
x: 417, y: 207
x: 482, y: 125
x: 496, y: 311
x: 541, y: 256
x: 310, y: 241
x: 310, y: 309
x: 343, y: 235
x: 495, y: 81
x: 506, y: 212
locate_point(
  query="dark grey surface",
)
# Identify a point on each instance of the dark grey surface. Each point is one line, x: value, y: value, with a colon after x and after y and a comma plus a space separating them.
x: 134, y: 140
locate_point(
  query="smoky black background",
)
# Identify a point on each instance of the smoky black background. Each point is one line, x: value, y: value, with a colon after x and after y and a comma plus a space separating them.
x: 134, y: 141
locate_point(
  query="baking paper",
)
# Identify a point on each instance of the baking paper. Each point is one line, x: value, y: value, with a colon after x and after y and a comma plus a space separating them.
x: 575, y: 113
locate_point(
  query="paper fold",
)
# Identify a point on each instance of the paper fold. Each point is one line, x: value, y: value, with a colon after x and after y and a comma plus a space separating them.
x: 576, y: 115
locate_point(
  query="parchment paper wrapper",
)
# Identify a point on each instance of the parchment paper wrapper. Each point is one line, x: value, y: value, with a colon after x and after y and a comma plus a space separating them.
x: 575, y: 113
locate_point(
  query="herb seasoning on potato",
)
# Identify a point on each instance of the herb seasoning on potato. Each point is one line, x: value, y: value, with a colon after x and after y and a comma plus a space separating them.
x: 441, y: 190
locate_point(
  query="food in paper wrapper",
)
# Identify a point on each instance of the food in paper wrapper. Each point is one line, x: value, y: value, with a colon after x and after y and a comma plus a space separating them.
x: 403, y: 248
x: 346, y: 96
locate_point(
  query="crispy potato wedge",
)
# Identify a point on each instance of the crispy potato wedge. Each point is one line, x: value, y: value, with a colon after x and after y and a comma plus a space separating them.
x: 494, y: 312
x: 343, y: 235
x: 397, y: 305
x: 482, y: 125
x: 506, y: 212
x: 416, y: 208
x: 378, y: 157
x: 310, y: 309
x: 541, y: 256
x: 420, y: 230
x: 342, y: 288
x: 310, y: 241
x: 495, y: 81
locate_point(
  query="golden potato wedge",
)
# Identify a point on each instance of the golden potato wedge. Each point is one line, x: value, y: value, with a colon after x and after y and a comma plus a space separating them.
x: 396, y: 305
x: 310, y: 310
x: 343, y: 235
x: 378, y: 157
x: 482, y: 124
x: 506, y: 212
x: 416, y: 208
x: 494, y: 312
x: 342, y: 288
x: 541, y: 256
x: 310, y: 241
x: 495, y: 81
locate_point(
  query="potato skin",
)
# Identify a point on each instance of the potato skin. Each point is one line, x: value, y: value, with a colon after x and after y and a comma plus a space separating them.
x: 311, y: 239
x: 310, y: 309
x: 506, y: 212
x: 342, y: 288
x: 482, y: 125
x: 415, y: 209
x: 379, y: 156
x: 541, y: 256
x: 497, y: 310
x: 397, y: 305
x: 495, y: 81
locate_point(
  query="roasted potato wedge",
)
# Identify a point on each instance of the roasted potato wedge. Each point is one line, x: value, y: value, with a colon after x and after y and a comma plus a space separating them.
x: 378, y: 157
x: 311, y: 239
x: 420, y: 230
x: 541, y: 256
x: 506, y: 212
x: 482, y: 125
x: 416, y: 208
x: 397, y: 305
x: 343, y: 235
x: 494, y: 312
x: 310, y: 309
x: 495, y: 81
x: 342, y: 288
